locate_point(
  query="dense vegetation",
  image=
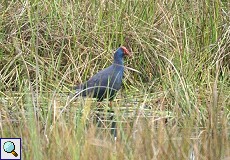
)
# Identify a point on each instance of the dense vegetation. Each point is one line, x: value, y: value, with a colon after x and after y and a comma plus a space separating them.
x: 181, y: 49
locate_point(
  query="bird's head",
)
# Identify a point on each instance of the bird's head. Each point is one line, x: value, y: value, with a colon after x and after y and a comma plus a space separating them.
x: 120, y: 53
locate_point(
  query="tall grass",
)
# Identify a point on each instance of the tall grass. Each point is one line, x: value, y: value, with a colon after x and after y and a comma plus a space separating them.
x: 177, y: 108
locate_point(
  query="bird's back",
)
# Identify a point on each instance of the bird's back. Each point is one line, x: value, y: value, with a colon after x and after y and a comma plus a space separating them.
x: 104, y: 84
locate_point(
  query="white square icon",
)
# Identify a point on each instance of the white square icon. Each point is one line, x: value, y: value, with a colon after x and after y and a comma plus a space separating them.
x: 10, y: 148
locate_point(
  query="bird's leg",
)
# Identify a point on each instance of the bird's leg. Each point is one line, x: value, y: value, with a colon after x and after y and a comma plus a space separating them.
x: 110, y: 104
x: 113, y: 125
x: 99, y: 116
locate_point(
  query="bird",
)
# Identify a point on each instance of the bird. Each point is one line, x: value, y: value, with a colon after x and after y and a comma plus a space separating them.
x: 106, y: 82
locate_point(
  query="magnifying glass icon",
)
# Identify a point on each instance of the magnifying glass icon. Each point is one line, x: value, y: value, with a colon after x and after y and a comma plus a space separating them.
x: 9, y: 147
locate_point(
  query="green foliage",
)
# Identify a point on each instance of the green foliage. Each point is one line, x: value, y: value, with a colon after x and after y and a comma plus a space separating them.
x: 180, y: 47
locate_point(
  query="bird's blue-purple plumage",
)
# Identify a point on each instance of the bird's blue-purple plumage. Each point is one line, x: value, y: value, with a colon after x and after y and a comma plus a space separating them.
x: 106, y: 82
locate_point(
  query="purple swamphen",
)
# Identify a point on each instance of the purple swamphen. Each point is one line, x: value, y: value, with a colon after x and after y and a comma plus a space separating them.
x: 106, y: 82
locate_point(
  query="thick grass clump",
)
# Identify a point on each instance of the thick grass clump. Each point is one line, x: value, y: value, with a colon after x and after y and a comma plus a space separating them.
x: 177, y: 107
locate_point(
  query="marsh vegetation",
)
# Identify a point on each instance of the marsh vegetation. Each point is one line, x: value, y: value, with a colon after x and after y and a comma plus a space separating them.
x: 177, y: 107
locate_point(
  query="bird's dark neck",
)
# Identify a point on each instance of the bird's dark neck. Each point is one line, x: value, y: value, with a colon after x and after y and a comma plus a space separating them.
x: 118, y: 61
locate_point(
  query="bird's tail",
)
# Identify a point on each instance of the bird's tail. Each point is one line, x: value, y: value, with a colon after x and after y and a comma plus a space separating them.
x: 77, y: 90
